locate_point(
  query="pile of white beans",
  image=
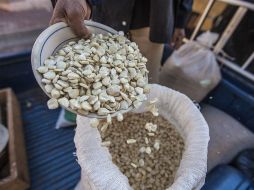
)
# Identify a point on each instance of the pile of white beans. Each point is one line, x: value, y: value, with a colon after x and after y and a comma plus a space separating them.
x: 101, y: 75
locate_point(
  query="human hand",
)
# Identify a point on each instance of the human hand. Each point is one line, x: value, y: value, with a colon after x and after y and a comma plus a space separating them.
x: 72, y: 12
x: 178, y: 37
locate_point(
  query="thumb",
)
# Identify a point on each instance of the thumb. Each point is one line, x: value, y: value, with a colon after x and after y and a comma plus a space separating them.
x: 55, y: 20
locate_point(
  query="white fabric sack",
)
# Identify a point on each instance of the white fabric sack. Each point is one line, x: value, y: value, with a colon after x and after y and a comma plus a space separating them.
x: 98, y: 171
x: 192, y: 69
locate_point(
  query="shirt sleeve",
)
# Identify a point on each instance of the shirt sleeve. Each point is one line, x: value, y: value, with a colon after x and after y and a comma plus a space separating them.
x: 183, y: 9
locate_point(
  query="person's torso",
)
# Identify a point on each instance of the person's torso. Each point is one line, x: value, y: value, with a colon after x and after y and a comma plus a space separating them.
x: 133, y: 14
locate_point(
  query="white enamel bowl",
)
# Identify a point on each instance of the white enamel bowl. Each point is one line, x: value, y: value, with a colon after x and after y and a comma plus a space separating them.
x: 52, y: 39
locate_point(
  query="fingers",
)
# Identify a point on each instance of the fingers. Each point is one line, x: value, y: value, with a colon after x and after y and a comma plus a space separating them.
x: 56, y: 20
x: 73, y: 13
x: 88, y: 12
x: 177, y: 39
x: 76, y: 21
x: 178, y: 43
x: 174, y: 41
x: 58, y: 13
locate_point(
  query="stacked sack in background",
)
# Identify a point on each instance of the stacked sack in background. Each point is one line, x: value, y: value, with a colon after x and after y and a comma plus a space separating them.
x: 192, y: 69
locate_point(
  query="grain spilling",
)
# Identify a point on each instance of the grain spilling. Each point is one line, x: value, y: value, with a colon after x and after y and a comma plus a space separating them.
x: 149, y: 161
x: 101, y: 75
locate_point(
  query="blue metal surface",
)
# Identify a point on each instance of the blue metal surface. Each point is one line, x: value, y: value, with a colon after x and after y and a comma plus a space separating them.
x: 52, y: 165
x: 225, y: 177
x: 16, y: 72
x: 233, y: 100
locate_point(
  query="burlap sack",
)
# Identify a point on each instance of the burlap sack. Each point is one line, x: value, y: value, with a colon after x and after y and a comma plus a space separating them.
x: 192, y: 70
x: 98, y: 171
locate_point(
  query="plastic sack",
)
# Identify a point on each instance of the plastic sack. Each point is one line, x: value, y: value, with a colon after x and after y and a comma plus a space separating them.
x: 207, y: 38
x: 192, y: 69
x: 98, y: 171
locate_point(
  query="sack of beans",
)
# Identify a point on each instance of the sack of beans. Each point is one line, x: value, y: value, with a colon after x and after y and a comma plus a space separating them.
x: 165, y: 149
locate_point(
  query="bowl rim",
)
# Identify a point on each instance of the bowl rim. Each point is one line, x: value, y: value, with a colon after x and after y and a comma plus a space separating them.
x: 39, y: 45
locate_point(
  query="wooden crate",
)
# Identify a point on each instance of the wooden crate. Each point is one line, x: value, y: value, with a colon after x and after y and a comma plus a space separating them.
x: 18, y: 168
